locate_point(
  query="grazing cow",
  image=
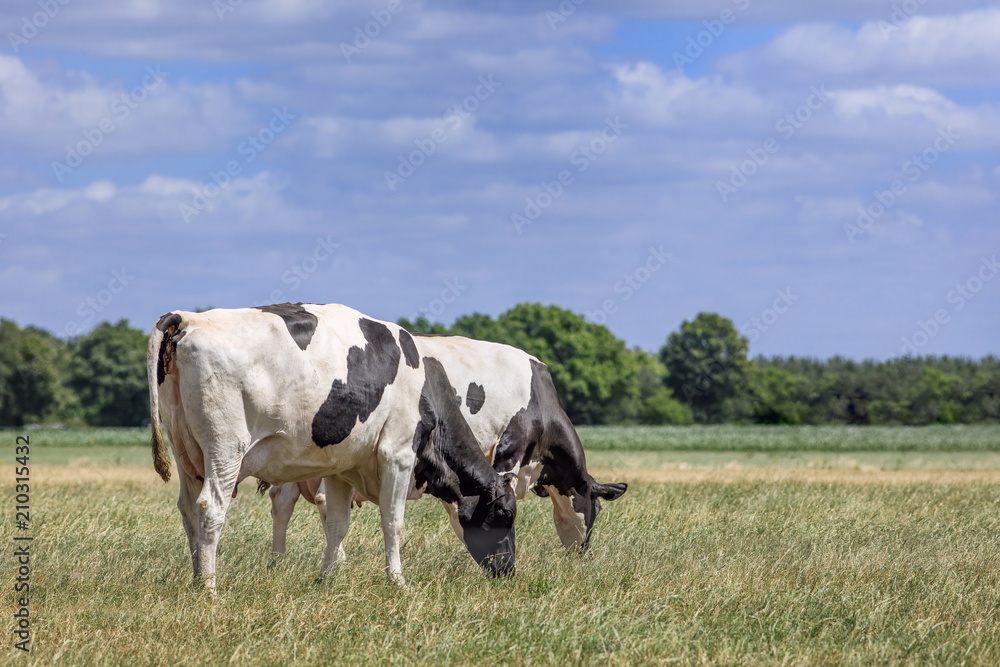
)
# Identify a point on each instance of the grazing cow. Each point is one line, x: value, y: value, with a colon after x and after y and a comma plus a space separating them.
x: 510, y: 403
x: 289, y: 392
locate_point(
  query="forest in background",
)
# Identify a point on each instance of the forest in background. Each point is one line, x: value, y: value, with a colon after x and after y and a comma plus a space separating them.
x: 701, y: 374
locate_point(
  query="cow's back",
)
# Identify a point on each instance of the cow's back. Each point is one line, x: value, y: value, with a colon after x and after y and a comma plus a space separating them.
x: 493, y: 380
x: 282, y: 364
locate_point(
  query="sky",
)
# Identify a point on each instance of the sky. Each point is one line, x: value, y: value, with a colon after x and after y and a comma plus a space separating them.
x: 823, y: 174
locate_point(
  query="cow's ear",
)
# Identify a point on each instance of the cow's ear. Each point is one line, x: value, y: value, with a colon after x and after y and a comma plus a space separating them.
x: 611, y: 491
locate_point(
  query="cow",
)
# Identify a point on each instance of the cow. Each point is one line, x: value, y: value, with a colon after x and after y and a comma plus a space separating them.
x: 511, y: 405
x: 291, y: 392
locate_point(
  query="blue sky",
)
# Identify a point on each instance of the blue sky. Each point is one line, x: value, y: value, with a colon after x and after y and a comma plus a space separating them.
x: 637, y: 162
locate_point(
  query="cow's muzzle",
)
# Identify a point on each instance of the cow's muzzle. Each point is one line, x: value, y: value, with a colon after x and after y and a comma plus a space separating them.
x: 493, y: 549
x: 501, y: 564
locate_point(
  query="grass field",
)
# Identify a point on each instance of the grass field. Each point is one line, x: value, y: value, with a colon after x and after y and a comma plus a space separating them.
x: 731, y: 438
x: 855, y: 556
x: 720, y: 438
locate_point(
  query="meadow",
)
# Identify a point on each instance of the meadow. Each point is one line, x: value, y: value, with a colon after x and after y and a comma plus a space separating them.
x: 882, y: 552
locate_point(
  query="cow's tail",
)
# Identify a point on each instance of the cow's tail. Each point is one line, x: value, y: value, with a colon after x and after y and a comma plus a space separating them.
x: 155, y: 372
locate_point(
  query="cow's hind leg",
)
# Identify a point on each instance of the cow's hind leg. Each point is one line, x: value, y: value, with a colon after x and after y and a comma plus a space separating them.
x: 283, y: 499
x: 212, y: 504
x: 186, y: 503
x: 222, y: 468
x: 335, y: 510
x: 215, y: 416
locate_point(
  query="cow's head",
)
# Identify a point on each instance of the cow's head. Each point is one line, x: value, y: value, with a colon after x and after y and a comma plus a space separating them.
x: 575, y: 508
x: 487, y: 523
x: 450, y: 466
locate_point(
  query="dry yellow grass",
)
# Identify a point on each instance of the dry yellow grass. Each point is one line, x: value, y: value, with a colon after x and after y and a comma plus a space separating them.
x: 674, y: 474
x: 721, y: 564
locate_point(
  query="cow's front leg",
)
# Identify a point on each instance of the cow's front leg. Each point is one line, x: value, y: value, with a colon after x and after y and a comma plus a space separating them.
x: 335, y: 510
x: 396, y: 474
x: 283, y: 499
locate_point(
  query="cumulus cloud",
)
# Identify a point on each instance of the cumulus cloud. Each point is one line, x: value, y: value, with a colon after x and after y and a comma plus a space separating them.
x: 885, y: 98
x: 52, y: 119
x: 671, y: 99
x: 914, y: 48
x: 154, y: 205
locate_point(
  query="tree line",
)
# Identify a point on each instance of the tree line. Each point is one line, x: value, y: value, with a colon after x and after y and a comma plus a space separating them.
x: 701, y: 374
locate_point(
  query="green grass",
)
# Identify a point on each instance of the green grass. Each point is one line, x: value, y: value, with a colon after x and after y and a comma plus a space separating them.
x: 80, y: 437
x: 948, y: 447
x: 909, y: 460
x: 738, y: 438
x: 736, y: 573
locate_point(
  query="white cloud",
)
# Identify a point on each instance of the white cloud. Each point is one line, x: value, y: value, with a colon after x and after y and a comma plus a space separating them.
x: 915, y: 115
x: 671, y: 99
x: 256, y: 202
x: 45, y: 118
x: 955, y: 49
x: 656, y: 184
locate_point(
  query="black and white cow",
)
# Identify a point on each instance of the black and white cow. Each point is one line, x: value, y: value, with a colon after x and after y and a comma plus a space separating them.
x: 508, y: 399
x: 291, y: 392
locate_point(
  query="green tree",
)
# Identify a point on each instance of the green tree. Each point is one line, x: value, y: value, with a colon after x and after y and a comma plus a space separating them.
x: 10, y: 338
x: 479, y: 327
x: 109, y: 375
x: 848, y: 389
x: 985, y: 399
x: 592, y: 370
x: 707, y: 365
x: 422, y: 326
x: 31, y: 388
x: 653, y: 403
x: 934, y: 400
x: 776, y: 396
